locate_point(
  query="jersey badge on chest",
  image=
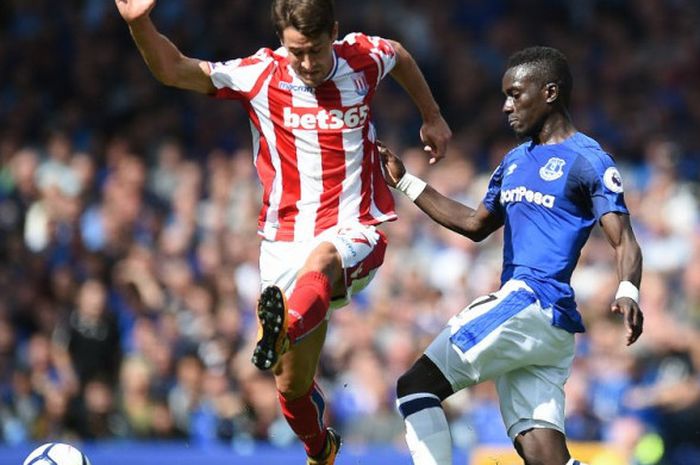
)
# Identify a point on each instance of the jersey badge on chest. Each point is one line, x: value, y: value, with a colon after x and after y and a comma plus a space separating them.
x: 361, y: 84
x: 553, y: 169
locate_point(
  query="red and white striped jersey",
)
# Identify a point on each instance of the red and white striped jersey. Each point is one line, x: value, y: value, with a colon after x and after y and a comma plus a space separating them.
x: 314, y: 148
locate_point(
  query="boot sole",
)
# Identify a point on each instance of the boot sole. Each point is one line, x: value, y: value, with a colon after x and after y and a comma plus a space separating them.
x: 272, y: 315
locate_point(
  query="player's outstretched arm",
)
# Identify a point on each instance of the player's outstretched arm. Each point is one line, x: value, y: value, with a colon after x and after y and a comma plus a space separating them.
x: 163, y: 58
x: 619, y: 232
x: 434, y: 133
x: 474, y: 224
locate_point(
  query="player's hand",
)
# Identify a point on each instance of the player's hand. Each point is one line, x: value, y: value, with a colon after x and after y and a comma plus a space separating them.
x: 133, y: 10
x: 435, y: 134
x: 634, y: 318
x: 393, y: 166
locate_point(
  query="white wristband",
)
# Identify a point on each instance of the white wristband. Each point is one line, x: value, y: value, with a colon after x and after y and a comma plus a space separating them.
x: 627, y: 289
x: 412, y: 186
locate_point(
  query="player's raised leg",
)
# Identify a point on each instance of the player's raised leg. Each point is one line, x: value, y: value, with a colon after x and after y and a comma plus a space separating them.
x: 282, y: 323
x: 342, y: 261
x: 291, y: 342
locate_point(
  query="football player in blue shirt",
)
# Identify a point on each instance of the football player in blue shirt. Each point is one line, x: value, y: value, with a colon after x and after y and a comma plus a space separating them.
x: 547, y: 193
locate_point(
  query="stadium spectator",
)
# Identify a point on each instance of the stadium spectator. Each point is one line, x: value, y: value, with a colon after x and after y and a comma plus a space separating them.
x: 91, y: 335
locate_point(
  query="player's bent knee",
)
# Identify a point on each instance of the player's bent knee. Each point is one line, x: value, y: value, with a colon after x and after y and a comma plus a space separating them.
x: 324, y: 259
x: 423, y: 377
x: 323, y: 256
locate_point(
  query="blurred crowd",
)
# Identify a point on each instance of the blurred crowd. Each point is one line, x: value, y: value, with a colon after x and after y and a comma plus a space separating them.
x: 128, y: 247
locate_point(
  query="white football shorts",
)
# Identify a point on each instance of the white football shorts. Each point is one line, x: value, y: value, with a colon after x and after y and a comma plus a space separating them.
x: 508, y: 337
x: 361, y: 248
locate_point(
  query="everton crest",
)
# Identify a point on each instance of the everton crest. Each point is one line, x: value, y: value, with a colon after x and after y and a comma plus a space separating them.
x: 553, y: 169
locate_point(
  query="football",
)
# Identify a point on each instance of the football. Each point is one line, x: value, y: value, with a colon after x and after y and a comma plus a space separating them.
x: 56, y: 453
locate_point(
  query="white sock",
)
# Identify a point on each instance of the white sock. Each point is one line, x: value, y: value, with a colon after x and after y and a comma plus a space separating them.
x: 573, y: 461
x: 427, y: 431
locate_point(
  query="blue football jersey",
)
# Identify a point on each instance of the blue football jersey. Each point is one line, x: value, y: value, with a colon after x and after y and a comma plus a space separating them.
x: 550, y: 197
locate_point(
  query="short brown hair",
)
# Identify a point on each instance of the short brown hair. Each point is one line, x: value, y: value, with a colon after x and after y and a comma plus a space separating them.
x: 310, y: 17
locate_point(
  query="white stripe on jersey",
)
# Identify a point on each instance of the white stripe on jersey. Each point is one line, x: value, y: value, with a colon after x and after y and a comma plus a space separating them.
x: 373, y: 209
x: 309, y: 162
x: 255, y: 140
x: 351, y: 196
x: 244, y: 77
x: 260, y: 104
x: 353, y: 144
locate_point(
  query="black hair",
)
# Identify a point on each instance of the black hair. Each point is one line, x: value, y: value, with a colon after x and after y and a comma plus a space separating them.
x: 549, y: 65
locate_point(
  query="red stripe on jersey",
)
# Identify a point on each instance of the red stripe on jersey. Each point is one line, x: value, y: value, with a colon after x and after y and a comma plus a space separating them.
x: 287, y: 150
x: 263, y: 160
x: 373, y: 184
x: 332, y: 161
x: 362, y: 60
x: 383, y: 198
x: 261, y: 80
x: 385, y: 47
x: 251, y: 60
x: 230, y: 94
x: 226, y: 93
x: 366, y: 178
x: 263, y: 165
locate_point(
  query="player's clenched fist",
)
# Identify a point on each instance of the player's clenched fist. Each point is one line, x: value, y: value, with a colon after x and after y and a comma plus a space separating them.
x: 132, y: 10
x: 435, y: 134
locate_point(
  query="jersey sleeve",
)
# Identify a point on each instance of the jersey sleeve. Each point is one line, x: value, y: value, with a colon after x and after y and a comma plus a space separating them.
x: 381, y: 51
x: 492, y: 198
x: 235, y: 79
x: 602, y: 181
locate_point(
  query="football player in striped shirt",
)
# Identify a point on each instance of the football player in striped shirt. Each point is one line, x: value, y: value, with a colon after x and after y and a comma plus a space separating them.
x: 314, y: 148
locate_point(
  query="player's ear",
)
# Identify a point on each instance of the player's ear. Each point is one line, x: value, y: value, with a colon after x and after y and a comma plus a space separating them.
x: 334, y: 33
x: 551, y: 92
